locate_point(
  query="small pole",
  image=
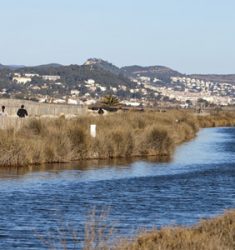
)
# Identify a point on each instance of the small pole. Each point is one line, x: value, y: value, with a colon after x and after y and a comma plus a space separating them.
x: 93, y: 130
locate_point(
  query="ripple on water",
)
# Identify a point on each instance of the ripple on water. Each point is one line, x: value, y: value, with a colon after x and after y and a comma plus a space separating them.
x: 198, y: 183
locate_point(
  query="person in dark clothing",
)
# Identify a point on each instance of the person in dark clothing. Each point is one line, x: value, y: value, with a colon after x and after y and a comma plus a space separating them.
x: 100, y: 111
x: 22, y: 112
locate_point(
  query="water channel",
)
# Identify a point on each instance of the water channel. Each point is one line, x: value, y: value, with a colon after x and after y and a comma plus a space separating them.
x: 51, y: 202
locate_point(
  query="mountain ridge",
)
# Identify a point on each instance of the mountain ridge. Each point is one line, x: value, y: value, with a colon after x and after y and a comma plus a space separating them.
x: 163, y: 73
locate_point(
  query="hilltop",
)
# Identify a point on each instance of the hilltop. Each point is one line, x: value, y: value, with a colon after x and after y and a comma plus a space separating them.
x: 104, y: 65
x: 96, y: 77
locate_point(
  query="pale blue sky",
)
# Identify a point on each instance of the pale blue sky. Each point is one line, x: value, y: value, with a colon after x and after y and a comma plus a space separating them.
x: 192, y: 36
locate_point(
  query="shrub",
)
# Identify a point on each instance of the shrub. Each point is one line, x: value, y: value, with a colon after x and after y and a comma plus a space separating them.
x: 155, y: 141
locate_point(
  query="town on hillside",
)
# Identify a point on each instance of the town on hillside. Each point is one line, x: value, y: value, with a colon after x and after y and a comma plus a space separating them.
x: 134, y: 85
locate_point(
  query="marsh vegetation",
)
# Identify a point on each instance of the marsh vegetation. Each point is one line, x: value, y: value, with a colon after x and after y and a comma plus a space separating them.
x: 119, y: 135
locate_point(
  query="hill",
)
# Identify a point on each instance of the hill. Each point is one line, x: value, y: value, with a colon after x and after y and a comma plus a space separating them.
x: 12, y: 67
x: 75, y: 74
x: 104, y: 65
x: 96, y: 78
x: 160, y: 72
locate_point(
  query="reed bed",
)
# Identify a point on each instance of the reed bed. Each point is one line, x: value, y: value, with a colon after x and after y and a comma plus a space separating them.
x: 119, y: 135
x: 43, y: 140
x: 212, y: 234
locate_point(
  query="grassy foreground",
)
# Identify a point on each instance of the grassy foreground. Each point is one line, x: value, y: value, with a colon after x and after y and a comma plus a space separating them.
x: 127, y: 134
x: 213, y: 234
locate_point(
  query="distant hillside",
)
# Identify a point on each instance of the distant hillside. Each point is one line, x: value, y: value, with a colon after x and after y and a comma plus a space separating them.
x: 51, y: 65
x: 134, y: 82
x: 12, y: 67
x: 74, y: 74
x: 215, y: 78
x: 159, y: 72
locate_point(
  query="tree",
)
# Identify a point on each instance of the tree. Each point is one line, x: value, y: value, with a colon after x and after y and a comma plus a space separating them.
x: 202, y: 103
x: 110, y: 100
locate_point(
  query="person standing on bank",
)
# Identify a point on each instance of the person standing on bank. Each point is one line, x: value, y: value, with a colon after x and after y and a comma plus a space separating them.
x: 3, y: 112
x: 22, y: 112
x: 100, y: 111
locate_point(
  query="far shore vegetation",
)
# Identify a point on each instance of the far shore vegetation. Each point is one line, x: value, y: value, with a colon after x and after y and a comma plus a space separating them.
x: 119, y: 135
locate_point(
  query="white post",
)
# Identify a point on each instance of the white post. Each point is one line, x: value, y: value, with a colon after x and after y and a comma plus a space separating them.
x: 93, y: 130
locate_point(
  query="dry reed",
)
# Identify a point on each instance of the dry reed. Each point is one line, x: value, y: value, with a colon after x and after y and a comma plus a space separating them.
x: 128, y: 134
x: 213, y: 234
x: 99, y: 234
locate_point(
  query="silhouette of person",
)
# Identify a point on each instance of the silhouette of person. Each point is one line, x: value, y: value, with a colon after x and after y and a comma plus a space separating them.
x: 22, y: 112
x: 3, y: 112
x: 100, y: 111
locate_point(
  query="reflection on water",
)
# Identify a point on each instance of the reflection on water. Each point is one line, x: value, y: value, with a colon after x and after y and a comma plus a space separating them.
x: 15, y: 172
x: 198, y: 182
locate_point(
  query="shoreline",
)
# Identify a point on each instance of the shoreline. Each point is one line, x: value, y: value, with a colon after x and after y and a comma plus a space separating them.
x: 119, y: 136
x: 215, y: 233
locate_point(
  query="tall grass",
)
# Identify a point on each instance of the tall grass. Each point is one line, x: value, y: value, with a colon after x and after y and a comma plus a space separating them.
x: 128, y: 134
x: 213, y: 234
x: 99, y: 234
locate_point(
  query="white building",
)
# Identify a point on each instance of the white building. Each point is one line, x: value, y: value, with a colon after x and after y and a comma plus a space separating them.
x: 90, y: 82
x: 75, y: 92
x: 35, y: 87
x: 114, y: 89
x: 72, y: 101
x: 50, y: 77
x: 31, y: 75
x: 21, y: 80
x: 131, y: 103
x: 61, y: 101
x: 145, y: 78
x: 102, y: 88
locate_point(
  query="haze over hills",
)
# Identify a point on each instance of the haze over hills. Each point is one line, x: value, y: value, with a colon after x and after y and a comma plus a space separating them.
x: 12, y: 67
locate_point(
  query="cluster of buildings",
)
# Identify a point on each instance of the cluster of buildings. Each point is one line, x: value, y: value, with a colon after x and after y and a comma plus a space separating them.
x: 184, y: 96
x: 193, y: 89
x: 27, y: 77
x: 145, y: 92
x: 197, y: 85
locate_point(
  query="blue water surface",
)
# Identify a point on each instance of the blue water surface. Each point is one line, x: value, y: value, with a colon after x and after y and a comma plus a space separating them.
x: 40, y: 206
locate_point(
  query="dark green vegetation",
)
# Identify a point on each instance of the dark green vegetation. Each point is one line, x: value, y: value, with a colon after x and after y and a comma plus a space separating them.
x: 72, y: 77
x: 160, y: 72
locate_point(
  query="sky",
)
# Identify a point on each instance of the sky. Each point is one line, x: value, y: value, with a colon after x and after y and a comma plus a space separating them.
x: 191, y: 36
